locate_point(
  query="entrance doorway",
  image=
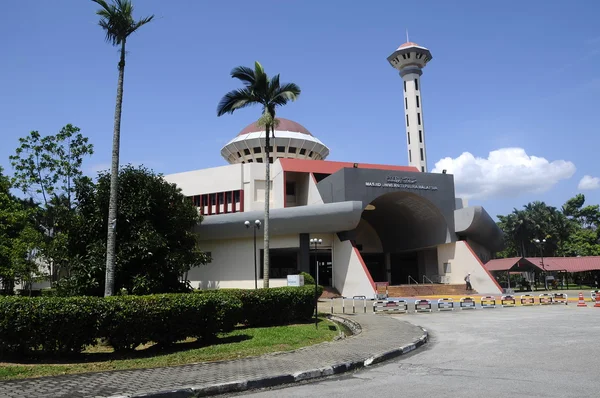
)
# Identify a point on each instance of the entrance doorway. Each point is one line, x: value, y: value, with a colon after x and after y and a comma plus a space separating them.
x: 375, y: 263
x: 404, y: 265
x: 323, y: 257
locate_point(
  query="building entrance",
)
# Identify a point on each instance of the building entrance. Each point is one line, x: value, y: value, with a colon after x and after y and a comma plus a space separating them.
x: 323, y: 257
x: 403, y: 266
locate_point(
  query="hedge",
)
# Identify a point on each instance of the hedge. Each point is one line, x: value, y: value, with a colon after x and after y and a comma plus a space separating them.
x: 273, y: 306
x: 66, y: 325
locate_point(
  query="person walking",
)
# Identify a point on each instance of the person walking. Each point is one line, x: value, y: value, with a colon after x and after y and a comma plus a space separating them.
x: 468, y: 281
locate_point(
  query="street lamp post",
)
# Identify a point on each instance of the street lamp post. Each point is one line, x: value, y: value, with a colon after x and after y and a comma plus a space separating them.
x: 256, y: 226
x: 316, y: 242
x: 540, y: 244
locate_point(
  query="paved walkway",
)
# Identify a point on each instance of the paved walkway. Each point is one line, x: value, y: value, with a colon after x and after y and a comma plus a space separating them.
x: 379, y: 338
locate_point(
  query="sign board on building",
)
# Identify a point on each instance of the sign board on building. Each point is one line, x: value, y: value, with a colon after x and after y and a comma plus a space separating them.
x: 295, y: 280
x: 401, y: 182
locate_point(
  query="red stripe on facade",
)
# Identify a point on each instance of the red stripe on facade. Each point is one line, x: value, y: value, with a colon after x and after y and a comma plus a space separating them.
x: 284, y: 190
x: 362, y: 262
x: 330, y: 167
x: 241, y: 200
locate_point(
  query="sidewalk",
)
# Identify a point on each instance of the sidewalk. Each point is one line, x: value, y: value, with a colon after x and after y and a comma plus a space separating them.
x: 378, y: 338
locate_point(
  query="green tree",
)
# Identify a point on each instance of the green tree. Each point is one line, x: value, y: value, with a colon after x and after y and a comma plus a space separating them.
x: 117, y: 21
x: 156, y: 244
x: 268, y: 93
x: 18, y: 238
x: 47, y: 168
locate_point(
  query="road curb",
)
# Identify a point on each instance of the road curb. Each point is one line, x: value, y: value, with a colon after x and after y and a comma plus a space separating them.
x: 287, y: 378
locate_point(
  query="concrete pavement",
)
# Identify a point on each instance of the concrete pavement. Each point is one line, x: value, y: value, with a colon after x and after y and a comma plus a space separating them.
x: 376, y: 339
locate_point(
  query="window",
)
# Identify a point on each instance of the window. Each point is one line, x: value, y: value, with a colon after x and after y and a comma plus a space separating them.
x: 422, y: 156
x: 408, y: 136
x: 405, y: 86
x: 280, y: 149
x: 256, y: 149
x: 236, y: 196
x: 419, y: 118
x: 228, y: 197
x: 418, y: 105
x: 292, y: 149
x: 270, y: 148
x: 270, y: 159
x: 409, y: 156
x: 213, y: 198
x: 250, y: 160
x: 420, y: 136
x: 423, y: 169
x: 406, y: 102
x: 408, y: 56
x: 239, y: 155
x: 416, y: 84
x: 246, y: 151
x: 290, y: 188
x: 407, y: 121
x: 204, y: 200
x: 302, y: 151
x: 259, y: 160
x: 283, y: 262
x: 220, y: 198
x: 310, y: 154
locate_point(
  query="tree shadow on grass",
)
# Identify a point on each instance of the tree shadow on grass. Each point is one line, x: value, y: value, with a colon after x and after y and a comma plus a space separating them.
x: 147, y: 351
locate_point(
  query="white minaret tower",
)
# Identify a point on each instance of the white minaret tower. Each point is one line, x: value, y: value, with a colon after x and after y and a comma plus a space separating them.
x: 410, y: 59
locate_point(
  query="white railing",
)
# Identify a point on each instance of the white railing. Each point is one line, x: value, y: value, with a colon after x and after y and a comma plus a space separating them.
x: 410, y: 278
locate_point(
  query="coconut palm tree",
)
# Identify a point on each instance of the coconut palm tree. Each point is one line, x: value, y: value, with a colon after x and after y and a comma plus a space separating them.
x: 117, y: 21
x: 269, y: 93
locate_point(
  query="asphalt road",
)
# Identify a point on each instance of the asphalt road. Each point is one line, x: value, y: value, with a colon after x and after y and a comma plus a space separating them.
x: 502, y: 352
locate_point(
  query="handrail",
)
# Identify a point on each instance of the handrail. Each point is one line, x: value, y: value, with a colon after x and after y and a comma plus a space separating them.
x: 413, y: 279
x: 425, y: 277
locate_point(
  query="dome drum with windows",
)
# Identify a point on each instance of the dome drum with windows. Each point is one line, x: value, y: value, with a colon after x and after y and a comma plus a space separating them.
x: 292, y: 140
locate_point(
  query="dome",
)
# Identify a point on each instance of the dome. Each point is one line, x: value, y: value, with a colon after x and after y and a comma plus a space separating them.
x: 292, y: 141
x: 284, y: 125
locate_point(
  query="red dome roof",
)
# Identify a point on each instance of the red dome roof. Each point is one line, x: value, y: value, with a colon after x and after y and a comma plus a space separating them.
x: 409, y: 44
x: 284, y: 125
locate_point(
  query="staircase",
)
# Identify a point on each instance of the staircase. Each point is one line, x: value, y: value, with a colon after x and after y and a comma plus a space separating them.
x: 426, y: 290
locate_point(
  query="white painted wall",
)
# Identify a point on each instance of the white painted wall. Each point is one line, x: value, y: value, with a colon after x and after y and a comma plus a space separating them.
x: 214, y: 179
x: 349, y: 276
x: 412, y: 113
x: 233, y: 262
x: 462, y: 261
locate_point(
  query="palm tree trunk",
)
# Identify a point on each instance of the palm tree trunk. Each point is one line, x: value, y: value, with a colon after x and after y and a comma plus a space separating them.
x: 109, y: 283
x: 267, y: 197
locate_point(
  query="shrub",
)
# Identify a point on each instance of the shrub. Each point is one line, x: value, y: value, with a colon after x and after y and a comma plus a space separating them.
x: 308, y: 279
x: 51, y: 324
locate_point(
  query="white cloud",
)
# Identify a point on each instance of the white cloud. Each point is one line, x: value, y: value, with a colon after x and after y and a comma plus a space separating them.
x: 506, y: 172
x: 589, y: 182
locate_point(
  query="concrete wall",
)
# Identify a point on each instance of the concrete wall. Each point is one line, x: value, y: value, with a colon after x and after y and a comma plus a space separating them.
x: 462, y: 260
x: 350, y: 276
x: 428, y: 264
x: 368, y: 238
x: 232, y: 263
x: 481, y: 251
x: 314, y: 196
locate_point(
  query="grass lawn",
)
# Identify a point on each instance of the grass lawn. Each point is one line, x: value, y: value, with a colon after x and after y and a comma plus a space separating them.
x: 242, y: 342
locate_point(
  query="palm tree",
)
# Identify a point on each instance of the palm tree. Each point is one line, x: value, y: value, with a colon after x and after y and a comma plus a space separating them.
x: 117, y: 20
x: 269, y: 94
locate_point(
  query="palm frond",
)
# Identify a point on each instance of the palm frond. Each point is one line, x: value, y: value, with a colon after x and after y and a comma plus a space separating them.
x: 287, y: 92
x: 245, y: 74
x: 236, y: 99
x: 117, y: 20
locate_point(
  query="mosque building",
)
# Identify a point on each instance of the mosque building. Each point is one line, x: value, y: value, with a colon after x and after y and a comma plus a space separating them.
x: 363, y: 224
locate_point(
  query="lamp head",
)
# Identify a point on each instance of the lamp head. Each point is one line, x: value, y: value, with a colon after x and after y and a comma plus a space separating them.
x: 247, y: 224
x: 257, y: 223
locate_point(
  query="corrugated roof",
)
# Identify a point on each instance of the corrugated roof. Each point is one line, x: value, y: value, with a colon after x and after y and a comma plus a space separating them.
x: 568, y: 264
x: 514, y: 264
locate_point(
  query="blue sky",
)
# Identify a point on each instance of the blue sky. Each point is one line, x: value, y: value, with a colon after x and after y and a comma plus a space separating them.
x: 503, y: 75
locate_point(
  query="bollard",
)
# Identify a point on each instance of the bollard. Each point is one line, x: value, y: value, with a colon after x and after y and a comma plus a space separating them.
x: 343, y: 305
x: 545, y: 299
x: 445, y: 304
x: 560, y: 298
x: 488, y: 302
x: 467, y: 303
x: 422, y: 305
x: 508, y: 301
x: 332, y: 305
x: 527, y: 299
